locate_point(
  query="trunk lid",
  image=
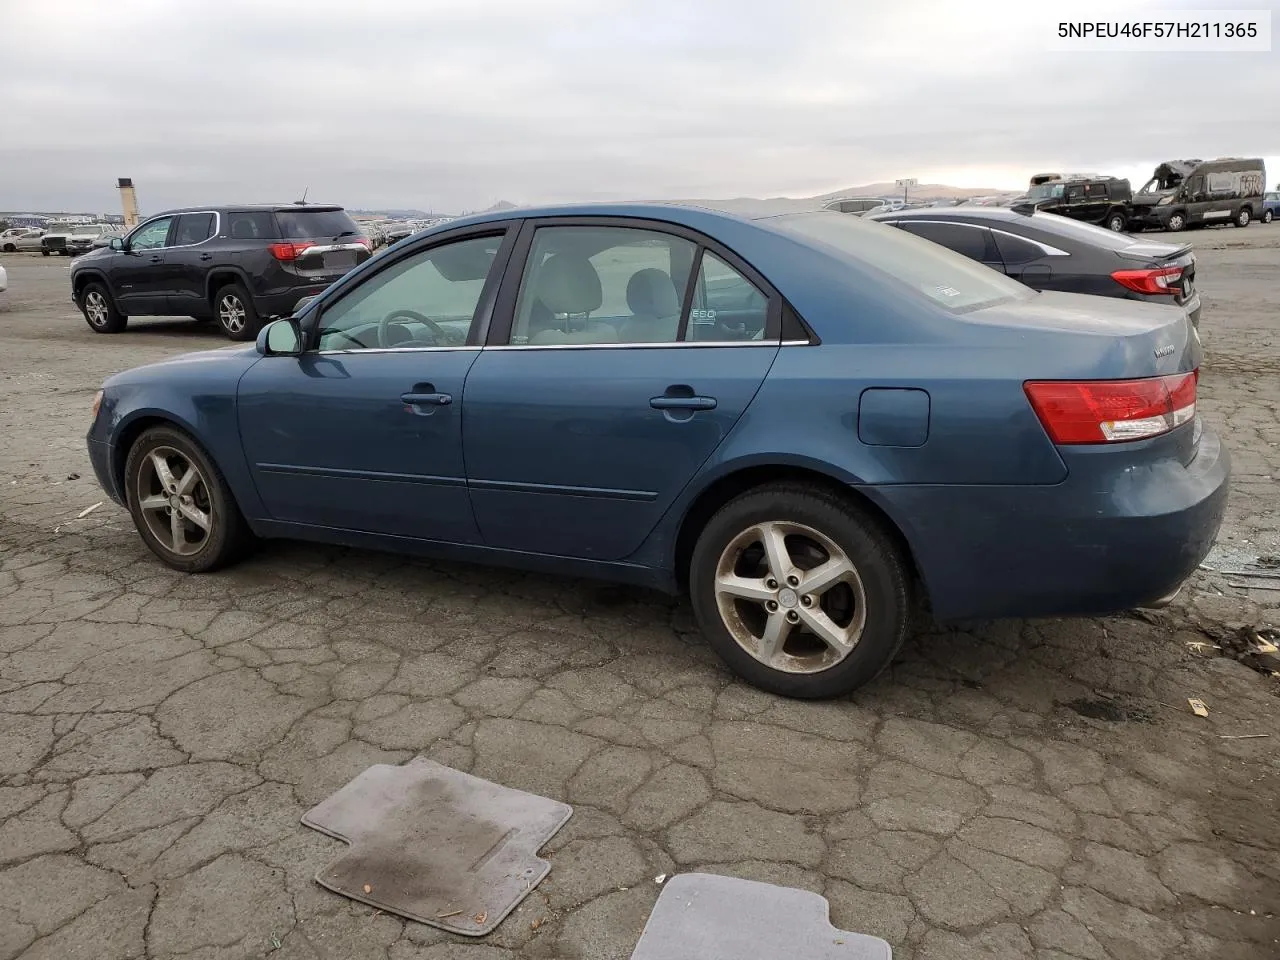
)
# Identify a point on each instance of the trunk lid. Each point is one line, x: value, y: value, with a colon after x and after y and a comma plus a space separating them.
x: 1154, y: 254
x: 327, y: 242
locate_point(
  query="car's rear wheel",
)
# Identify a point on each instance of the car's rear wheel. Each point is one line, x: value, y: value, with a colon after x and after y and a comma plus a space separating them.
x: 235, y: 312
x: 181, y: 504
x: 800, y: 591
x: 100, y: 310
x: 1243, y: 217
x: 1116, y: 221
x: 1177, y: 221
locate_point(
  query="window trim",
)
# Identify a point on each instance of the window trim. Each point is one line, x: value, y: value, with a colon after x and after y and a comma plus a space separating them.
x: 1049, y: 249
x: 217, y: 228
x: 480, y: 319
x: 989, y: 245
x: 503, y: 317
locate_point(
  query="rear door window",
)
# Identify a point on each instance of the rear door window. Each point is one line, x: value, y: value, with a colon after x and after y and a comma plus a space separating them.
x: 316, y: 224
x: 193, y: 228
x: 1014, y: 250
x: 973, y: 242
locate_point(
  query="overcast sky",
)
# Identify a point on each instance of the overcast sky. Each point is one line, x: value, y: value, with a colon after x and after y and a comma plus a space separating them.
x: 455, y: 104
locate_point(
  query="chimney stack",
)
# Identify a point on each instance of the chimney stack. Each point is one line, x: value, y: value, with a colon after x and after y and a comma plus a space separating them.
x: 129, y: 201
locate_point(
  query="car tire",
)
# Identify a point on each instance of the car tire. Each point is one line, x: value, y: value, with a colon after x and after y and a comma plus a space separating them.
x: 1116, y: 222
x: 1244, y: 217
x: 1267, y: 216
x: 100, y: 310
x: 44, y: 253
x: 1177, y: 222
x: 234, y: 310
x: 868, y: 610
x: 182, y: 543
x: 10, y: 248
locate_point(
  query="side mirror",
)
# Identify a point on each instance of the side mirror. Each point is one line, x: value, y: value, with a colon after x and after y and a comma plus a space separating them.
x: 280, y: 338
x: 116, y: 243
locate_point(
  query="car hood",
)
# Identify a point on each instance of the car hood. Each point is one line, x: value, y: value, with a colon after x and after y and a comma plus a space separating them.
x: 234, y: 360
x: 97, y: 253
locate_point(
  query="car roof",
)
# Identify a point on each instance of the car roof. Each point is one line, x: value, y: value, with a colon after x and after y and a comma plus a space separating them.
x: 962, y: 212
x: 250, y: 208
x: 702, y: 215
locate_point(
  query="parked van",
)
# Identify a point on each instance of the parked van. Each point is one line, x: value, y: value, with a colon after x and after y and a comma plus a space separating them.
x: 1193, y: 193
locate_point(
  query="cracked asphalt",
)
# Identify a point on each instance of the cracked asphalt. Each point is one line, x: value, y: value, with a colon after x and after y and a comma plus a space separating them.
x: 1021, y: 789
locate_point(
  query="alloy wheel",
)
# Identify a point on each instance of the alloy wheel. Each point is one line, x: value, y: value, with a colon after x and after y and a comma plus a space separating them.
x: 231, y: 313
x: 174, y: 499
x: 96, y: 309
x: 790, y: 597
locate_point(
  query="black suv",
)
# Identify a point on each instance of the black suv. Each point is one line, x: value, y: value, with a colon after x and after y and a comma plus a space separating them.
x: 1106, y: 201
x: 239, y: 265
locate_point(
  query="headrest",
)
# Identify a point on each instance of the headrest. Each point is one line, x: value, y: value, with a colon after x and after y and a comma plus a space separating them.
x: 569, y: 284
x: 651, y: 292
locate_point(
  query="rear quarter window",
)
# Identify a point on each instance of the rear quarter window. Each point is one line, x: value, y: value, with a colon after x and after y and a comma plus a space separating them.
x: 1055, y: 226
x: 949, y: 279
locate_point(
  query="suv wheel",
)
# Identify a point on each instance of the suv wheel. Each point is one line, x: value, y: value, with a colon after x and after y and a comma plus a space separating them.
x: 44, y: 253
x: 100, y: 310
x: 800, y: 592
x: 181, y: 503
x: 1116, y: 222
x: 234, y: 309
x: 10, y: 248
x: 1177, y: 221
x: 1243, y: 217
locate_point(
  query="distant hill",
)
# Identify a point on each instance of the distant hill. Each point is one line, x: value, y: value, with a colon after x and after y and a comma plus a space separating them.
x: 922, y: 191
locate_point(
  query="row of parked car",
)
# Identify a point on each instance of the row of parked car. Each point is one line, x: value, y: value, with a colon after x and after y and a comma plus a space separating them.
x: 62, y: 239
x: 1181, y: 195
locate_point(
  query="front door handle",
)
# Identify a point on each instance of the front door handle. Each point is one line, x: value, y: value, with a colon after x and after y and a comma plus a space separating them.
x: 683, y: 403
x: 206, y: 256
x: 427, y: 399
x: 157, y: 259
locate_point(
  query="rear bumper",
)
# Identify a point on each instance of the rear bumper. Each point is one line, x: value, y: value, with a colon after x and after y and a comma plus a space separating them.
x: 281, y: 303
x: 1105, y: 540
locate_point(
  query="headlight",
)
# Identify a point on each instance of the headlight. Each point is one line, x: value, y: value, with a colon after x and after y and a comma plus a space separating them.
x: 97, y: 404
x: 1164, y: 200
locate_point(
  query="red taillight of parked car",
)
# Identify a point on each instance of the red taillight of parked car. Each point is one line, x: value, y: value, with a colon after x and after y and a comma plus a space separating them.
x: 289, y: 251
x: 1154, y: 280
x: 1113, y: 411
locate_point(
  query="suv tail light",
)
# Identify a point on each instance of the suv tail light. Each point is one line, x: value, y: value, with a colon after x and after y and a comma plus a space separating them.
x: 289, y: 251
x: 1153, y: 280
x: 1113, y: 411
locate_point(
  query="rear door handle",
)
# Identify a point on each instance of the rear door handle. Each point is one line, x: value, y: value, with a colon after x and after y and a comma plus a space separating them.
x: 683, y: 403
x: 428, y: 399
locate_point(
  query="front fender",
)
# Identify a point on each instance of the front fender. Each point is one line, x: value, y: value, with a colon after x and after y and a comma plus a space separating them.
x: 206, y: 412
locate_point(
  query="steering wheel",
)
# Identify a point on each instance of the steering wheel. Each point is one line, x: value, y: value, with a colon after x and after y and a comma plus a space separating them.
x: 384, y: 326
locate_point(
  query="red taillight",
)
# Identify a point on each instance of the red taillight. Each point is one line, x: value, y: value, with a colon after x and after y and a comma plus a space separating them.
x: 289, y: 251
x: 1155, y: 280
x: 1112, y: 411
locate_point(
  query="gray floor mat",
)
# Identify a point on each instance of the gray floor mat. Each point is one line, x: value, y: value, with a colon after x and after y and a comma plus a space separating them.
x: 701, y: 916
x: 436, y: 845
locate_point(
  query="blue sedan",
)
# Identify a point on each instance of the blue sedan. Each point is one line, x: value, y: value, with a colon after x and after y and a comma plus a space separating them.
x: 812, y: 423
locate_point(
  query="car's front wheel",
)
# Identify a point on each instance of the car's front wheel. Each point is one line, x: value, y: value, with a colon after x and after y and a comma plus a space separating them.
x: 236, y: 313
x: 801, y: 592
x: 100, y: 310
x: 10, y: 248
x: 1177, y: 221
x: 1116, y: 222
x: 181, y: 504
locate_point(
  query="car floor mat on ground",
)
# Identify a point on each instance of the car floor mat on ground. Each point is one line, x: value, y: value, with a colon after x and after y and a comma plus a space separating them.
x: 701, y: 916
x: 436, y: 845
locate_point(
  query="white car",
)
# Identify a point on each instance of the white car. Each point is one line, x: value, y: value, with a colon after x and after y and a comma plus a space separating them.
x: 21, y: 239
x: 4, y: 280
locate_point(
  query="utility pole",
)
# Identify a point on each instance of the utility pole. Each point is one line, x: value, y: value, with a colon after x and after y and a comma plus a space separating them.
x: 905, y: 185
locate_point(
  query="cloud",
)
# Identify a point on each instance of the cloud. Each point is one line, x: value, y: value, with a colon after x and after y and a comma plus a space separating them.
x: 455, y: 104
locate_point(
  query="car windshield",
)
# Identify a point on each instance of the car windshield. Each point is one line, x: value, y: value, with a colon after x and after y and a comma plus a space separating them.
x: 1045, y: 191
x: 1085, y: 232
x: 947, y: 278
x: 315, y: 224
